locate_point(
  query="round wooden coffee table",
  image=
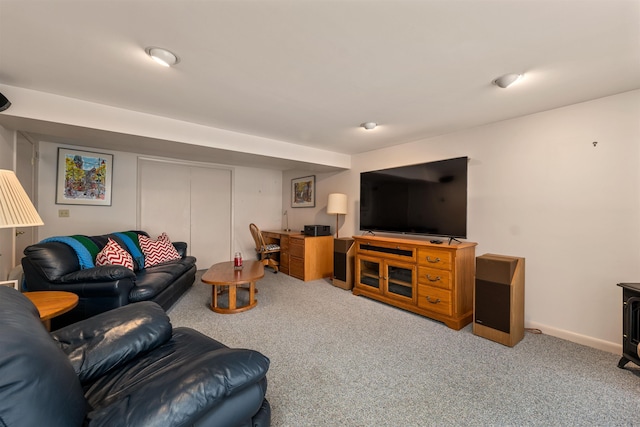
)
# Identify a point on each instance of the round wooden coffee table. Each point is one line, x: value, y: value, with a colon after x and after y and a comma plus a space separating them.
x: 224, y: 275
x: 52, y: 303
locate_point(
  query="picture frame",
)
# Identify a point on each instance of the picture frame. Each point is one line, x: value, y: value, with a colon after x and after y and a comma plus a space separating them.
x: 84, y: 178
x: 303, y: 192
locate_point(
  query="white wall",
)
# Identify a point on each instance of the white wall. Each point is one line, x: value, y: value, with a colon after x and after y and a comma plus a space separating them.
x: 326, y: 183
x: 88, y: 220
x: 257, y: 198
x: 538, y: 188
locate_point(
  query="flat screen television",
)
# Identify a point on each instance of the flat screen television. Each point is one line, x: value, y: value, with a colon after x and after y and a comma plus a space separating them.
x: 427, y: 198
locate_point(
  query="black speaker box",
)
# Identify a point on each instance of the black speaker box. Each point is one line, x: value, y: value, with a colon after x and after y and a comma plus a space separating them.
x: 498, y: 299
x: 4, y: 102
x: 343, y: 255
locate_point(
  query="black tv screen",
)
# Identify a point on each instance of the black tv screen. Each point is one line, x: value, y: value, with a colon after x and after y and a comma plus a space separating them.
x: 428, y: 198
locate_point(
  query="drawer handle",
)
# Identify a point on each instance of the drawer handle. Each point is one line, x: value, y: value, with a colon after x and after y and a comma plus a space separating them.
x: 432, y: 301
x: 432, y: 260
x: 432, y: 279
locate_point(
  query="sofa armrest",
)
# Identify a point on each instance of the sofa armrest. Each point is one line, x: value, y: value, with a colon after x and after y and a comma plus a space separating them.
x: 181, y: 247
x: 110, y: 339
x: 104, y: 273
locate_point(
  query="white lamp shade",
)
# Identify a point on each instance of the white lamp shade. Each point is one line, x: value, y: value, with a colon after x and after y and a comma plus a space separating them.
x: 337, y: 203
x: 16, y: 210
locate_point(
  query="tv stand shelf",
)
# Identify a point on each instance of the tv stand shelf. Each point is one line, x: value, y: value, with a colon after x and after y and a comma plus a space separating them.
x: 433, y: 280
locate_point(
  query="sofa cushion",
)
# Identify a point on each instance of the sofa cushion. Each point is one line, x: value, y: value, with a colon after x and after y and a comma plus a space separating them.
x: 114, y: 254
x: 38, y: 385
x: 153, y: 280
x: 127, y: 240
x: 157, y: 251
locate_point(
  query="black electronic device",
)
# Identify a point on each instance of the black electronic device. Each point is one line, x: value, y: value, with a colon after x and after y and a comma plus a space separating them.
x: 317, y: 230
x: 427, y: 198
x: 4, y: 102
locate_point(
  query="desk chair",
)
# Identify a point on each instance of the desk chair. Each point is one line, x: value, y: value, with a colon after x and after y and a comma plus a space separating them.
x: 265, y: 252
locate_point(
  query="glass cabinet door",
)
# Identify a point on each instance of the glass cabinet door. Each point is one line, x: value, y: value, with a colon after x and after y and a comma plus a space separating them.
x: 400, y: 280
x: 370, y: 277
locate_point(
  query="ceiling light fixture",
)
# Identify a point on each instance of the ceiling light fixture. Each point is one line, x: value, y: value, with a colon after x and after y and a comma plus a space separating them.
x: 369, y: 125
x: 162, y: 56
x: 507, y: 80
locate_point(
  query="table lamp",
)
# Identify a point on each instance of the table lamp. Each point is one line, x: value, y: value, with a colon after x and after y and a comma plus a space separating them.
x: 16, y: 210
x: 337, y: 205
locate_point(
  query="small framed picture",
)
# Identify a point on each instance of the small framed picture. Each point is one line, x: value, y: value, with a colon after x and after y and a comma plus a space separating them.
x: 84, y: 178
x: 303, y: 192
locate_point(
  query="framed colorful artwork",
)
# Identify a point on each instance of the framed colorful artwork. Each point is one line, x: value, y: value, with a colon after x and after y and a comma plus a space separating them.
x: 303, y: 192
x: 84, y: 178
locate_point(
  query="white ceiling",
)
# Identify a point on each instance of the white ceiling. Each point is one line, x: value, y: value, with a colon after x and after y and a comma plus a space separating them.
x: 309, y: 72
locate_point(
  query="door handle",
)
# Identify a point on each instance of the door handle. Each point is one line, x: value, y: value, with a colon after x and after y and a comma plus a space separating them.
x: 18, y: 233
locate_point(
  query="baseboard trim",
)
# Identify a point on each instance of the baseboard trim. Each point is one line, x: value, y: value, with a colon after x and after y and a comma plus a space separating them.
x: 577, y: 338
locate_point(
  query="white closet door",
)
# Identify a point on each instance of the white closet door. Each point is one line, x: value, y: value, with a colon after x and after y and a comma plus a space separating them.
x: 191, y: 203
x: 165, y: 199
x: 211, y: 215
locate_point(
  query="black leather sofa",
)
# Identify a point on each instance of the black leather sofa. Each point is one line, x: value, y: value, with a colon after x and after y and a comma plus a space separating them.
x: 55, y: 266
x: 125, y: 367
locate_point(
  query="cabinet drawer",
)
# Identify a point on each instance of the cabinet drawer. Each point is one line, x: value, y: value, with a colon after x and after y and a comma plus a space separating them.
x: 284, y: 244
x: 296, y: 248
x: 284, y: 261
x: 388, y: 250
x: 296, y: 268
x: 435, y: 258
x: 435, y: 299
x: 434, y: 277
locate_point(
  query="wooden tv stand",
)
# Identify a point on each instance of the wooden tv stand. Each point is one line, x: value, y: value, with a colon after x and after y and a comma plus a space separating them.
x: 433, y: 280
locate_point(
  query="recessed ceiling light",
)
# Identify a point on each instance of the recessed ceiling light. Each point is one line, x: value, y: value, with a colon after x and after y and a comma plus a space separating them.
x: 162, y: 56
x: 507, y: 80
x: 369, y: 125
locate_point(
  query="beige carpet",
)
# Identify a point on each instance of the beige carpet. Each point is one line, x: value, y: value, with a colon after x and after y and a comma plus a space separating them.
x: 341, y: 360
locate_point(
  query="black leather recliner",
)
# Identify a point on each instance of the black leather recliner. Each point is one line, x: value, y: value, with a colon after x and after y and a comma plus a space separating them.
x: 125, y: 367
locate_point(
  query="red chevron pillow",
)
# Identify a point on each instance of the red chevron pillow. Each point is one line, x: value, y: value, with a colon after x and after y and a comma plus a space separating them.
x: 113, y: 254
x: 157, y: 251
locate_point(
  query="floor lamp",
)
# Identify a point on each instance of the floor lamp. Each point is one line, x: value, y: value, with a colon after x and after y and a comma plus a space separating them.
x: 337, y: 205
x: 16, y: 210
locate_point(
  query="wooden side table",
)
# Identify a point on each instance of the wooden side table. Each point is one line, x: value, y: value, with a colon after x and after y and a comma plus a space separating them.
x: 52, y: 303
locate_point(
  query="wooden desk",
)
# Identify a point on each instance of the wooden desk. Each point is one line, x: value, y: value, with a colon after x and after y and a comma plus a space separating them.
x: 224, y: 274
x: 52, y: 303
x: 303, y: 257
